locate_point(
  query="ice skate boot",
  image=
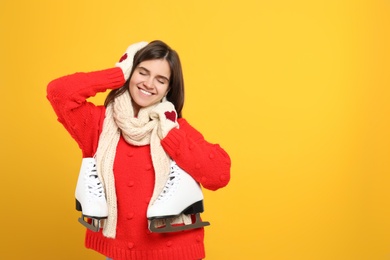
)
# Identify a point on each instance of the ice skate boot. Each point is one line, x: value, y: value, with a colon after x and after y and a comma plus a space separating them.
x: 181, y: 195
x: 90, y: 196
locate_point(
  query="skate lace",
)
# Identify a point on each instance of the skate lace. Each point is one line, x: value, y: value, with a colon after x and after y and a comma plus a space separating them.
x: 173, y: 175
x: 95, y: 187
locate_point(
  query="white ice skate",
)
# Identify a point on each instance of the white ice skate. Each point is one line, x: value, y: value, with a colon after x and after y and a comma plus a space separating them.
x: 181, y: 195
x: 90, y: 196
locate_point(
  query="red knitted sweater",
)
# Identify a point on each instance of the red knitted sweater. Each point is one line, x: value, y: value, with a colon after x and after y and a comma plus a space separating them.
x: 207, y: 163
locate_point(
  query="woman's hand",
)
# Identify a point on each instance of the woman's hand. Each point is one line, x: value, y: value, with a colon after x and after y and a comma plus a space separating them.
x: 166, y: 114
x: 126, y: 61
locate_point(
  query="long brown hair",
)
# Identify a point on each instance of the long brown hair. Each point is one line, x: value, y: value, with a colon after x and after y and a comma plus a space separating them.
x: 158, y: 50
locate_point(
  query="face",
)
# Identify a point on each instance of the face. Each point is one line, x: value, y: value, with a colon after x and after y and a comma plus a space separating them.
x: 149, y: 83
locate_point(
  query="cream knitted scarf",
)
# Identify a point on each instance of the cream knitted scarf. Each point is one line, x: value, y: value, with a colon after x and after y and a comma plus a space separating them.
x: 146, y: 128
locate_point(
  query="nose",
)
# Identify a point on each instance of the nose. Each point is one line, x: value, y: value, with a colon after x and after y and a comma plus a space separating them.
x: 148, y: 83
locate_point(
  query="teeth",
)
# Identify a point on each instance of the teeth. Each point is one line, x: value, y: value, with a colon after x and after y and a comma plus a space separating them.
x: 145, y: 92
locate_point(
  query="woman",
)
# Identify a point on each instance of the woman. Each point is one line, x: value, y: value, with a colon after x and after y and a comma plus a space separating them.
x: 135, y: 137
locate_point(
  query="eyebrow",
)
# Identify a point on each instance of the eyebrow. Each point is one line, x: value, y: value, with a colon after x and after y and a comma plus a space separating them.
x: 160, y: 76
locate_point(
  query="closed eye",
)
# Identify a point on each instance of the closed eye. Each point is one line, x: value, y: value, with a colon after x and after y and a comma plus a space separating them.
x: 142, y: 71
x: 163, y: 80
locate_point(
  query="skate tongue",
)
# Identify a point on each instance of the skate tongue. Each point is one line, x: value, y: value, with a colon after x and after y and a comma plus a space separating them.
x: 95, y: 187
x: 169, y: 184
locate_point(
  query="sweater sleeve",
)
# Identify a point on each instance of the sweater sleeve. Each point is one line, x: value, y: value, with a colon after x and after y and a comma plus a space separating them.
x: 207, y: 163
x: 82, y: 119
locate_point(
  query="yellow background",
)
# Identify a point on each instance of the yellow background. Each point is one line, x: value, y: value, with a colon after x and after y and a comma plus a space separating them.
x: 297, y: 92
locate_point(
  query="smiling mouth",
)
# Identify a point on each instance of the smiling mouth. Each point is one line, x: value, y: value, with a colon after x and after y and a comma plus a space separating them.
x: 145, y: 92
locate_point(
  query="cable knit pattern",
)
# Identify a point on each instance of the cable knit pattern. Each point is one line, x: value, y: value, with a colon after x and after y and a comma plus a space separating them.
x: 133, y: 170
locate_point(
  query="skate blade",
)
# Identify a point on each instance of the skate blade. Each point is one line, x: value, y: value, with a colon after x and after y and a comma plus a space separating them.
x: 93, y: 226
x: 169, y: 228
